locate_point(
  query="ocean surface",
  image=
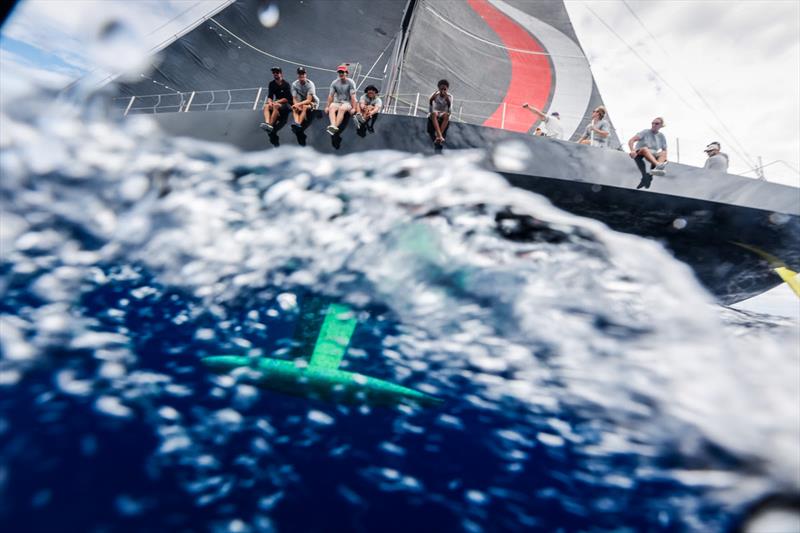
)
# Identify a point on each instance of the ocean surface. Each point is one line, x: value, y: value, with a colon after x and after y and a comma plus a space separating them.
x: 583, y: 389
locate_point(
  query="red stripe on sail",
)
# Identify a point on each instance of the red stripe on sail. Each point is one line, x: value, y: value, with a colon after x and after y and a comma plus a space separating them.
x: 531, y: 77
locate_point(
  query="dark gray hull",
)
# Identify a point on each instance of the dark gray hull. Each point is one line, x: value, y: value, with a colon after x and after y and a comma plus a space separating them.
x: 699, y: 215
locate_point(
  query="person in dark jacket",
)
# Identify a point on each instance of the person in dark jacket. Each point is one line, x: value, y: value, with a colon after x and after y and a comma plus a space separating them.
x: 279, y: 98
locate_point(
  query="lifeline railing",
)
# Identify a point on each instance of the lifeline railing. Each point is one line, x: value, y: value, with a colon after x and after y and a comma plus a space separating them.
x: 410, y: 104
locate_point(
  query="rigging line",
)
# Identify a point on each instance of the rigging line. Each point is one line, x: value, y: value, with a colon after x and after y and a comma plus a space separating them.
x: 490, y: 43
x: 176, y: 17
x: 268, y: 54
x: 691, y: 85
x: 375, y: 63
x: 772, y: 163
x: 655, y: 72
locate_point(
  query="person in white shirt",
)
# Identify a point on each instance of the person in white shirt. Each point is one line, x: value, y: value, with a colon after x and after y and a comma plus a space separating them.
x: 716, y: 160
x: 552, y: 123
x: 304, y: 97
x: 368, y: 107
x: 440, y: 104
x: 341, y: 99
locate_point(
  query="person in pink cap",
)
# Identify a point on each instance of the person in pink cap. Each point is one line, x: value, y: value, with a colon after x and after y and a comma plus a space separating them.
x: 341, y: 99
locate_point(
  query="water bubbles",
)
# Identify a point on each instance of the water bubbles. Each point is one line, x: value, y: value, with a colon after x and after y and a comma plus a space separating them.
x: 476, y: 497
x: 118, y: 48
x: 320, y: 418
x: 511, y: 156
x: 112, y: 406
x: 268, y: 13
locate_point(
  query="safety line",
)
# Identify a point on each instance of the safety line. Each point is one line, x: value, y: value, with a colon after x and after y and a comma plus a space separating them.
x: 691, y: 85
x: 375, y: 63
x: 271, y: 55
x: 658, y: 75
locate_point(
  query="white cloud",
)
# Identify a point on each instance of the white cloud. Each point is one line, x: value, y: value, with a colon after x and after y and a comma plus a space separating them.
x: 71, y: 30
x: 743, y: 57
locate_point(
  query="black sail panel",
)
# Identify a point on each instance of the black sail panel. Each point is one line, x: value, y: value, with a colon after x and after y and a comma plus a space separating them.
x: 233, y: 50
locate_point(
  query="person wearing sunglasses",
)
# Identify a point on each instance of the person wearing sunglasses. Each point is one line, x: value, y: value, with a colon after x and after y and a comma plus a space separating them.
x: 598, y: 130
x: 341, y: 99
x: 651, y: 145
x: 279, y: 94
x: 717, y: 160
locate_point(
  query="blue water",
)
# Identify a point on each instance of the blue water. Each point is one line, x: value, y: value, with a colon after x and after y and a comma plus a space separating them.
x: 589, y: 382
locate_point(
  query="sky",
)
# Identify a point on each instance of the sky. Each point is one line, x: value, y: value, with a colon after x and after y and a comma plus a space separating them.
x: 726, y: 71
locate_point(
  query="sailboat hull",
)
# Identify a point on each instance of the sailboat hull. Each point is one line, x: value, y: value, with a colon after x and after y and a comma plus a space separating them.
x: 702, y: 217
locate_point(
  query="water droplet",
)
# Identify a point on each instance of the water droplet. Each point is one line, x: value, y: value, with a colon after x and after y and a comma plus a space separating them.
x: 268, y: 14
x: 119, y: 48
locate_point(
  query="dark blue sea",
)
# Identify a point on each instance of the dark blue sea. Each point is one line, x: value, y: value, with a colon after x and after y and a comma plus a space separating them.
x: 589, y: 382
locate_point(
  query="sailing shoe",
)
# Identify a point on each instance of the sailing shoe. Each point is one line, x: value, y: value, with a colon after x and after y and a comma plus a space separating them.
x: 357, y: 122
x: 266, y: 127
x: 662, y: 166
x: 297, y: 128
x: 333, y: 130
x: 657, y: 172
x: 360, y: 118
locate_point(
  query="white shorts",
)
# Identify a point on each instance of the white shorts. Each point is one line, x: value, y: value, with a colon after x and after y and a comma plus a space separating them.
x: 341, y: 105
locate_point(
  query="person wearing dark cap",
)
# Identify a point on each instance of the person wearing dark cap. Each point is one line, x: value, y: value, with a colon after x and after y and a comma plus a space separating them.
x: 369, y: 105
x: 552, y: 123
x: 440, y: 103
x: 304, y: 97
x: 279, y: 94
x: 716, y: 159
x: 341, y: 99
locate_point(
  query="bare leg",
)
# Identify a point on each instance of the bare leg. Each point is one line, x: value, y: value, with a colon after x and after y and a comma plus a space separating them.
x: 662, y: 157
x: 266, y: 113
x: 302, y: 115
x: 340, y: 113
x: 445, y: 122
x: 276, y: 109
x: 645, y: 152
x: 332, y: 115
x: 435, y: 120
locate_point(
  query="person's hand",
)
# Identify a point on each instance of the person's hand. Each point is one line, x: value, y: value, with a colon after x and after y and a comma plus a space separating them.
x: 525, y: 105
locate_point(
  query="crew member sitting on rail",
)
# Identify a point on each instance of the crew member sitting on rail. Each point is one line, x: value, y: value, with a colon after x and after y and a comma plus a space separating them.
x: 368, y: 107
x: 716, y: 159
x: 552, y: 123
x: 651, y: 145
x: 598, y: 130
x: 278, y: 97
x: 304, y: 97
x: 341, y: 99
x: 440, y: 104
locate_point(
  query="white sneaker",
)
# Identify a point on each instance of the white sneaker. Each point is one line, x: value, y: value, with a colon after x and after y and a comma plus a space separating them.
x: 333, y: 130
x: 661, y: 166
x: 656, y: 172
x: 266, y: 127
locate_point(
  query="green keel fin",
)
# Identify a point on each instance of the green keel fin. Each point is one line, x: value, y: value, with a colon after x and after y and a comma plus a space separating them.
x: 334, y: 337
